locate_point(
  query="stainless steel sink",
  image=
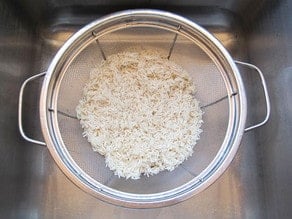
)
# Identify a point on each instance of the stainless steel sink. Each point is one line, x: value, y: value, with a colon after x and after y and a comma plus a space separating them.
x: 258, y: 182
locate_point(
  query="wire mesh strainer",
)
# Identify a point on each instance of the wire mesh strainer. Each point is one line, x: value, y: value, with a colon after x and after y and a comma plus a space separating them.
x: 219, y: 89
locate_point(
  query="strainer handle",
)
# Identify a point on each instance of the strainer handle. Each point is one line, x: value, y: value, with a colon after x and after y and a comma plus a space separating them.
x: 267, y: 98
x: 20, y: 100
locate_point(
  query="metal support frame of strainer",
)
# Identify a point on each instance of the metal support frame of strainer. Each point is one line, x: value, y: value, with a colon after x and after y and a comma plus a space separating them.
x: 178, y: 26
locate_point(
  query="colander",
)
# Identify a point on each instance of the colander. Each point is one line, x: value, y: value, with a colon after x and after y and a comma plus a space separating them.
x: 219, y: 88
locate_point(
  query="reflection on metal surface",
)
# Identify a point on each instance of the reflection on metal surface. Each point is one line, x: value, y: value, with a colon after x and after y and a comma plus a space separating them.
x: 57, y: 39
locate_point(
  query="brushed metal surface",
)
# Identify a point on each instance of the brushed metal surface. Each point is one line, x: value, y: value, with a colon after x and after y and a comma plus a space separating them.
x: 18, y: 167
x: 257, y: 183
x: 270, y: 47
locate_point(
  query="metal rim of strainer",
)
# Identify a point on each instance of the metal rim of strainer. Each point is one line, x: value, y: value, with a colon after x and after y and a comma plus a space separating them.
x: 177, y: 25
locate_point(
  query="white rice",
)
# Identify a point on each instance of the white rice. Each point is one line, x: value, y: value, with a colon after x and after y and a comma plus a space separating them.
x: 139, y: 111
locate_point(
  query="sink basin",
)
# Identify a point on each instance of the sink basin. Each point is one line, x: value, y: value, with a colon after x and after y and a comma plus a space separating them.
x: 256, y: 184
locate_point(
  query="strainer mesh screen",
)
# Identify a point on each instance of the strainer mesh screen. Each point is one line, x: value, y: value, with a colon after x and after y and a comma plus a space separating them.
x: 211, y: 92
